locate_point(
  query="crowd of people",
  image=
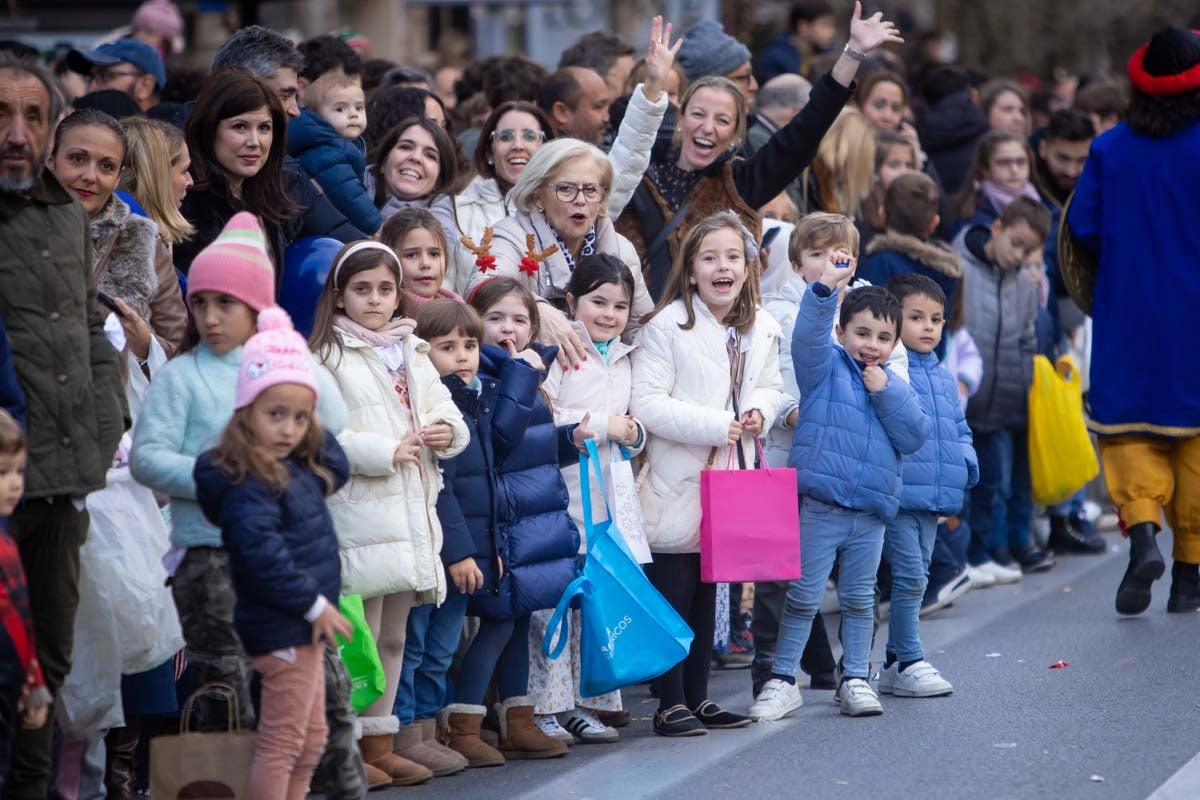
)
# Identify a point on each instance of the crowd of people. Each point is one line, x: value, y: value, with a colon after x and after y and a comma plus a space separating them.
x: 837, y: 260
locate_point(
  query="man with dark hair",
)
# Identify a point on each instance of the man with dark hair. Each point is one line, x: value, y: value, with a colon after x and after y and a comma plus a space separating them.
x: 67, y: 370
x: 576, y: 100
x: 1062, y: 148
x: 323, y: 54
x: 950, y: 125
x: 811, y: 30
x: 268, y: 55
x: 511, y: 78
x: 126, y: 65
x: 1105, y: 102
x: 604, y: 52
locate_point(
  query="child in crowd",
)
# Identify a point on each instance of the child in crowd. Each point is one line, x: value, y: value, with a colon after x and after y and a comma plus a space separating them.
x: 327, y: 139
x: 705, y: 379
x: 538, y: 541
x: 1001, y: 172
x: 420, y: 242
x: 401, y: 422
x: 856, y: 419
x: 187, y: 406
x: 265, y: 486
x: 599, y: 297
x: 1000, y: 308
x: 935, y: 478
x: 894, y: 156
x: 24, y: 697
x: 911, y: 216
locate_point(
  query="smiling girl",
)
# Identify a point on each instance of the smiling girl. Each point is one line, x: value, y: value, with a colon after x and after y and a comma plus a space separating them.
x: 1000, y: 173
x: 705, y: 351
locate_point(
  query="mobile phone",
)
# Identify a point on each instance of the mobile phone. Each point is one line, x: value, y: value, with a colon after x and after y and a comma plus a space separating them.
x: 769, y: 237
x: 109, y: 303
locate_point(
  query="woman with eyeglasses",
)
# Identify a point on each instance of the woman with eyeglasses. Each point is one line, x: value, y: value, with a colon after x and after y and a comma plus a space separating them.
x: 560, y: 199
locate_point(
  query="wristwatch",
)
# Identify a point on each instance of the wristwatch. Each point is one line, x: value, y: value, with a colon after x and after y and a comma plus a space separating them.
x: 857, y: 55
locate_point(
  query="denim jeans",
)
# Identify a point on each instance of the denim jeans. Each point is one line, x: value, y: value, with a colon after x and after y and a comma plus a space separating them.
x: 502, y: 648
x: 433, y: 638
x: 855, y: 538
x: 908, y: 543
x: 1002, y: 502
x: 1071, y: 507
x: 949, y: 555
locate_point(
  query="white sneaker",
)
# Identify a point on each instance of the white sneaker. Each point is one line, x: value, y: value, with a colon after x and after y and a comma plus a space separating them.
x: 548, y: 724
x: 776, y: 700
x: 980, y: 578
x: 953, y: 589
x: 858, y: 699
x: 1001, y: 573
x: 585, y: 726
x: 919, y: 680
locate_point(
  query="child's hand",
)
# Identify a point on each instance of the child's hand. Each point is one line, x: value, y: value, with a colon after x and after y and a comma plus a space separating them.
x: 32, y: 718
x: 582, y: 433
x: 622, y: 430
x: 735, y: 432
x: 838, y: 270
x: 875, y: 378
x: 752, y: 422
x: 466, y: 575
x: 527, y: 355
x: 409, y: 451
x: 329, y: 625
x: 437, y: 436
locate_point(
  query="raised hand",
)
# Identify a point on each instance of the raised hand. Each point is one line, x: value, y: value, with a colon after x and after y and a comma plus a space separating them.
x: 867, y: 34
x: 838, y: 270
x: 660, y: 55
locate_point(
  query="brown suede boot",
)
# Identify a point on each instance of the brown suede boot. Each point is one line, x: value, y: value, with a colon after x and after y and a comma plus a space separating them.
x: 519, y: 733
x: 429, y: 738
x: 459, y: 724
x: 376, y: 746
x: 409, y: 743
x: 376, y: 778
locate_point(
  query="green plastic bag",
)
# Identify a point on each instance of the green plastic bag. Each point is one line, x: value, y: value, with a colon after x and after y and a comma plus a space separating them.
x: 361, y: 656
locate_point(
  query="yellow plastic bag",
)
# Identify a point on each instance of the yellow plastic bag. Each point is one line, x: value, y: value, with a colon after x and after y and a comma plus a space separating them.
x: 1061, y: 457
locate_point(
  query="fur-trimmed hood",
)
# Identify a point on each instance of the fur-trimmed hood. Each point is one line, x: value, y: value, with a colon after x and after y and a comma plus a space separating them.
x: 937, y: 256
x: 123, y: 250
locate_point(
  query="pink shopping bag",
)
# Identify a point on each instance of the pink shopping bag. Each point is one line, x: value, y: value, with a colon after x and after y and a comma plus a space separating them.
x: 750, y: 524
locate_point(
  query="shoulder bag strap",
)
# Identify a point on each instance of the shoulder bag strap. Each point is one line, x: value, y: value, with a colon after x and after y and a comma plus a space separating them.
x: 660, y: 241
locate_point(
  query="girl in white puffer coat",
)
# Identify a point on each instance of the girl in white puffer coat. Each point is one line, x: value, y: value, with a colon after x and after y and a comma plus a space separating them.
x: 706, y: 341
x: 401, y: 420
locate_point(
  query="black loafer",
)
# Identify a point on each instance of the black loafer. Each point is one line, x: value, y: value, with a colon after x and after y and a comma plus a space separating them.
x: 678, y: 721
x: 713, y: 716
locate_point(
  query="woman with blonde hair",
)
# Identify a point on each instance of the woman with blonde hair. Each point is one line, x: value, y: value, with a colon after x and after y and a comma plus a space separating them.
x: 841, y: 175
x: 157, y: 174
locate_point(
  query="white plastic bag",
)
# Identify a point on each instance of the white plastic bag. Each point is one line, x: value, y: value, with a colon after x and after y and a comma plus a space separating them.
x: 627, y: 508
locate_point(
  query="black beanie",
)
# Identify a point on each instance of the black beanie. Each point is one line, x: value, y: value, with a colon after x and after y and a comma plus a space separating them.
x: 1172, y: 51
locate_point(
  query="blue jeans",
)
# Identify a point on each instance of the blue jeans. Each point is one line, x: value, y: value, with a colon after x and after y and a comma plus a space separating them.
x: 1072, y: 506
x: 500, y: 647
x: 855, y: 538
x: 433, y: 637
x: 908, y: 543
x: 949, y: 555
x: 1002, y: 502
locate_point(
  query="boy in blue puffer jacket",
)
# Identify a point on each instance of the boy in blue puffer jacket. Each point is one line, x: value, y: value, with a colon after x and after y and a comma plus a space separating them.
x: 936, y: 478
x: 327, y: 141
x: 856, y: 420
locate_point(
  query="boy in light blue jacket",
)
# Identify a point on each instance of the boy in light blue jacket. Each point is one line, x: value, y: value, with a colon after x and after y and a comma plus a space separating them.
x: 936, y: 478
x: 856, y: 420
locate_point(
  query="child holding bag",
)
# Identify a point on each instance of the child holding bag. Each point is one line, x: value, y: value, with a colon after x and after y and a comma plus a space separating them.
x: 599, y: 297
x: 265, y: 486
x: 401, y: 421
x: 705, y: 349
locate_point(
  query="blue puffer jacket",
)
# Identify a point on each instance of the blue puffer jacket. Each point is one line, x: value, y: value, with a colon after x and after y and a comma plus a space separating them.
x: 467, y: 505
x: 538, y: 540
x: 283, y: 551
x: 848, y: 441
x: 936, y: 476
x: 337, y: 164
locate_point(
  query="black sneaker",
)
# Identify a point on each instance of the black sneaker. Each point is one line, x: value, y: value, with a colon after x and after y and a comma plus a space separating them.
x: 713, y: 716
x: 1033, y: 559
x: 678, y: 721
x: 1074, y: 535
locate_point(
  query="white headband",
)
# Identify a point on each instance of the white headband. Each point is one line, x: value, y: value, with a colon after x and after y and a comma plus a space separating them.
x: 358, y: 247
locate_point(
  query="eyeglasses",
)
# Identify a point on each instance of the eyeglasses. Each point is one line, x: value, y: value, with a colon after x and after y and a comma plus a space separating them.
x: 567, y: 192
x: 108, y: 74
x: 528, y: 136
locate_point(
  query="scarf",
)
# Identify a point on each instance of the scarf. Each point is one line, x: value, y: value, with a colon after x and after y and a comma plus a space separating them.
x: 388, y: 341
x: 588, y: 248
x: 603, y: 347
x: 416, y: 300
x: 1000, y: 198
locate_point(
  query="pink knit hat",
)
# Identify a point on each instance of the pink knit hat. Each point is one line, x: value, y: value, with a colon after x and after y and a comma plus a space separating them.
x: 161, y: 17
x: 236, y: 264
x: 274, y: 355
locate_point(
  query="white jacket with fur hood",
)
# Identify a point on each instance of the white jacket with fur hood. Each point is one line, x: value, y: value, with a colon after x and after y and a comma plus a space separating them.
x: 681, y: 394
x: 385, y: 517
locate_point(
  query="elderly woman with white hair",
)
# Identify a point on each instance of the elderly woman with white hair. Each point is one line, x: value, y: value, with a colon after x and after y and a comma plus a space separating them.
x: 560, y: 200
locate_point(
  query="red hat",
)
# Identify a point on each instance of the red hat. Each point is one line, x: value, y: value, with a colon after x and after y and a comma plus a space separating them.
x: 1168, y: 64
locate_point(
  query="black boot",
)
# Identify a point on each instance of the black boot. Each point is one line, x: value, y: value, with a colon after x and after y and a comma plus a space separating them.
x: 1071, y: 535
x: 1185, y: 588
x: 1145, y: 567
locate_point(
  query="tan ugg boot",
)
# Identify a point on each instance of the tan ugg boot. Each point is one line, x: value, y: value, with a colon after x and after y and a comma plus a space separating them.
x: 519, y: 733
x: 409, y: 744
x: 376, y: 746
x: 429, y: 738
x: 459, y: 724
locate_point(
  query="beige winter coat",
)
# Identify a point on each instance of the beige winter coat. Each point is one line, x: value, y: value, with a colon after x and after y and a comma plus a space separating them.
x: 385, y: 517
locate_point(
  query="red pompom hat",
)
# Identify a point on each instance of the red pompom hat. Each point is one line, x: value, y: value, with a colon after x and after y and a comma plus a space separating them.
x: 1168, y: 64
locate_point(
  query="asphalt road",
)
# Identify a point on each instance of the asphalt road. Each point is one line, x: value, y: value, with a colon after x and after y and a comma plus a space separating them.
x: 1121, y: 721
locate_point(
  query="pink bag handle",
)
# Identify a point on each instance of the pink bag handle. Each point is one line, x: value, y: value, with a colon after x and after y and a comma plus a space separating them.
x: 762, y: 457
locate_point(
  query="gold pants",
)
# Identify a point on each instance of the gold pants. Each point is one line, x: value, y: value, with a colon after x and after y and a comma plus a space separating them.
x: 1149, y: 476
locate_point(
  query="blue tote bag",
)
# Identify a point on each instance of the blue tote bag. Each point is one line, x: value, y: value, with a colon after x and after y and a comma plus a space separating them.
x: 630, y: 633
